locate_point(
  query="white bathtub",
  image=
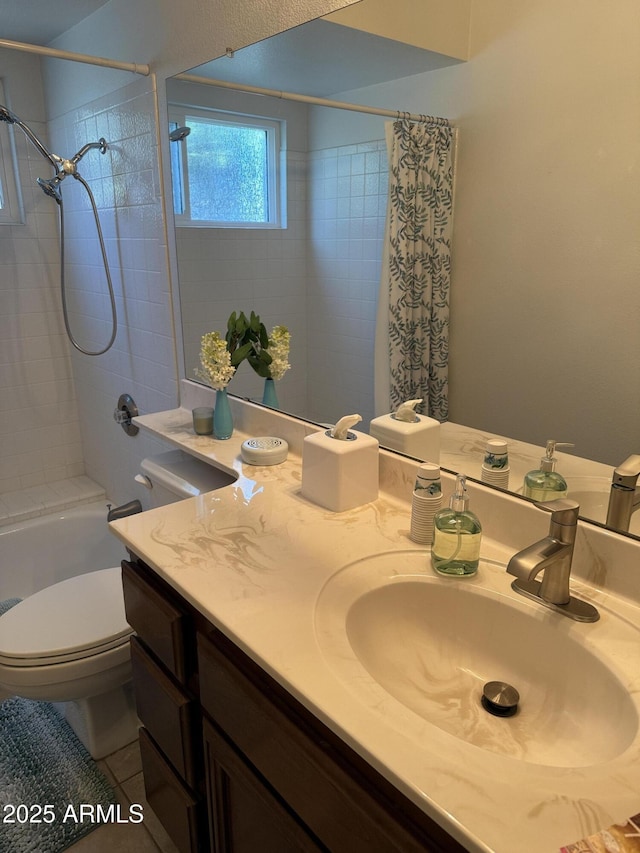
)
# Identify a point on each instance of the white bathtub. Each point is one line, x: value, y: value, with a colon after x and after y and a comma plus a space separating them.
x: 42, y: 551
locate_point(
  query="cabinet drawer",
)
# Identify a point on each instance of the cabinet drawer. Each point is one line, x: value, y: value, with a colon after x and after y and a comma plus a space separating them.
x: 175, y: 807
x: 158, y: 622
x: 171, y: 717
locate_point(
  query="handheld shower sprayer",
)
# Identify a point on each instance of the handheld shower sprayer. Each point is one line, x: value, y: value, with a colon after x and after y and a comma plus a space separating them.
x: 51, y: 187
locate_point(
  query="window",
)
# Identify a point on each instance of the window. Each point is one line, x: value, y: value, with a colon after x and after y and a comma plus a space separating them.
x: 226, y: 172
x: 10, y: 202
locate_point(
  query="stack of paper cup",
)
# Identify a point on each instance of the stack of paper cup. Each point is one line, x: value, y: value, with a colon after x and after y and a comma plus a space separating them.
x: 426, y: 502
x: 495, y: 468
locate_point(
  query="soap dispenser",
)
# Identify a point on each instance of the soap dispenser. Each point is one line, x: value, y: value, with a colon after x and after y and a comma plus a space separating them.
x: 545, y: 483
x: 340, y: 467
x: 457, y: 535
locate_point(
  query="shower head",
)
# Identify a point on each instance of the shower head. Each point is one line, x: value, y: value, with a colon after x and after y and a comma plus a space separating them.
x: 12, y: 118
x: 51, y: 187
x: 7, y: 115
x: 179, y: 134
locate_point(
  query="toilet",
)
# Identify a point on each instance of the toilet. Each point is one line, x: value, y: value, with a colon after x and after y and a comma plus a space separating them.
x: 69, y: 643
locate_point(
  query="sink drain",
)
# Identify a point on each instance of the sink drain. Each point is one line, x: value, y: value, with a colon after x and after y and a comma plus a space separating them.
x: 500, y: 698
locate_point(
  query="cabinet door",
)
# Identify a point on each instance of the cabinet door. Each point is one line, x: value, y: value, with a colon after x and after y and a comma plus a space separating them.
x: 244, y: 814
x: 333, y: 792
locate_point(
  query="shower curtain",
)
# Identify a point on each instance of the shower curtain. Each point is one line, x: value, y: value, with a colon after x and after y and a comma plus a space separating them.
x: 412, y: 338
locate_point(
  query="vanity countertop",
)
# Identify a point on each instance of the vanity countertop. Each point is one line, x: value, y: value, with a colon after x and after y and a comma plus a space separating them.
x: 254, y: 557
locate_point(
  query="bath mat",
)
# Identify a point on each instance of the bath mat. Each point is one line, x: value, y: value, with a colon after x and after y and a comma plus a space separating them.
x: 43, y: 764
x: 8, y: 603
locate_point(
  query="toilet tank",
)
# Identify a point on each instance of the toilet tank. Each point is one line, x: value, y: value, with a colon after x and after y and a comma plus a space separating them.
x: 174, y: 475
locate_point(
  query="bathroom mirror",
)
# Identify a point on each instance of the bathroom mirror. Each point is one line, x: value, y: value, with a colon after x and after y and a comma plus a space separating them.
x: 544, y: 297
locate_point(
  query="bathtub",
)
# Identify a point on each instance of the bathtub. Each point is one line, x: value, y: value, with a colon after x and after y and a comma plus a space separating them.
x: 41, y: 551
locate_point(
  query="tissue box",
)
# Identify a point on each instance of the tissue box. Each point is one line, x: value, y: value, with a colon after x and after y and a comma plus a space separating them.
x: 420, y: 439
x: 340, y: 474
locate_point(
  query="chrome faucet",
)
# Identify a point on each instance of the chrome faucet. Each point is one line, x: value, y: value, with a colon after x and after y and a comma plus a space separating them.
x: 552, y: 555
x: 624, y: 497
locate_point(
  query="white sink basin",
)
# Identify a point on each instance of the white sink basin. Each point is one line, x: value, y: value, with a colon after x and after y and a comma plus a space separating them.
x: 394, y: 632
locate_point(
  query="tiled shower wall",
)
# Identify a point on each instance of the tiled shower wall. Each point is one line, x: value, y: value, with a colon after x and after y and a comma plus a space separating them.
x: 126, y: 185
x: 39, y: 429
x: 347, y: 208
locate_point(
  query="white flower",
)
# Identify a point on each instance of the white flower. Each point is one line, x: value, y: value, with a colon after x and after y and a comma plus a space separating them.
x: 279, y: 342
x: 215, y: 359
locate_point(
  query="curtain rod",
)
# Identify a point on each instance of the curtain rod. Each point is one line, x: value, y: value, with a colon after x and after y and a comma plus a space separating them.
x: 135, y: 67
x: 309, y: 99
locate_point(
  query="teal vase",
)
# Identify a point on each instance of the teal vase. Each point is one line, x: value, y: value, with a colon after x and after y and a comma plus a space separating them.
x: 222, y: 417
x: 269, y: 396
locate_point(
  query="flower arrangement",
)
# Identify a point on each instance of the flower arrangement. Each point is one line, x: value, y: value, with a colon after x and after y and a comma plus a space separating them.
x: 270, y: 353
x: 216, y: 367
x: 245, y: 338
x: 279, y: 344
x: 220, y: 357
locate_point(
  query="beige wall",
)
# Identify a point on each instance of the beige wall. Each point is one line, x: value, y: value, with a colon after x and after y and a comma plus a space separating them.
x: 545, y: 295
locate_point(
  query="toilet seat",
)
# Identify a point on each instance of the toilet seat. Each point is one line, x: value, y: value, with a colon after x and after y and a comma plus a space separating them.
x: 71, y: 620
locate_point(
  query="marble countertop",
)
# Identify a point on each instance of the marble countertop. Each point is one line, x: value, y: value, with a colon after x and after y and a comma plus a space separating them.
x: 255, y: 556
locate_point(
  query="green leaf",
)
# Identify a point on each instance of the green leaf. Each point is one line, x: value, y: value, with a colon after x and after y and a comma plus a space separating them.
x: 240, y: 353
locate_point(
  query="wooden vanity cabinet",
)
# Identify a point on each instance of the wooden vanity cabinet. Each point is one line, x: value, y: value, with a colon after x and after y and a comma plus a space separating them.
x: 242, y: 765
x: 164, y: 669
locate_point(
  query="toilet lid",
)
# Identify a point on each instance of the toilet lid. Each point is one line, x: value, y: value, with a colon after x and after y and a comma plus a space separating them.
x: 75, y: 618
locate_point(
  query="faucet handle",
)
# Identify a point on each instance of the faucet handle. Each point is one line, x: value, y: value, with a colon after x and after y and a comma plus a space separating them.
x: 563, y: 510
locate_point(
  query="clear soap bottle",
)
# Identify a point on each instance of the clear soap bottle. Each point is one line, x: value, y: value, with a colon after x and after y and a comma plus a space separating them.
x: 457, y: 535
x: 545, y: 483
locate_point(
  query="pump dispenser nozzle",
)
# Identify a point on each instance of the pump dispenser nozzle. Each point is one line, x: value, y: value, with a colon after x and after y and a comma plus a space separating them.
x: 459, y: 500
x: 548, y: 462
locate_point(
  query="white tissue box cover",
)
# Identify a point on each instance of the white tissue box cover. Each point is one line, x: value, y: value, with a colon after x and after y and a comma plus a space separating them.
x: 420, y: 439
x: 340, y: 475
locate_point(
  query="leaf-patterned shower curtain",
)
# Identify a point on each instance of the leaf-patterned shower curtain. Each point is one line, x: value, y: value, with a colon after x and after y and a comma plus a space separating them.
x: 420, y: 224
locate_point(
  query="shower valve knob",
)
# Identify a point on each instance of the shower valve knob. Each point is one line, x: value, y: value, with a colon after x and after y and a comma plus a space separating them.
x: 124, y: 412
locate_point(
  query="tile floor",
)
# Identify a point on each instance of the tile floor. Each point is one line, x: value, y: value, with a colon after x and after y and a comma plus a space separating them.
x: 123, y: 769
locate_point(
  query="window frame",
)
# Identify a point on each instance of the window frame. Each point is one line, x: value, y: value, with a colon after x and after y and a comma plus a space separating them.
x: 180, y: 116
x: 12, y: 212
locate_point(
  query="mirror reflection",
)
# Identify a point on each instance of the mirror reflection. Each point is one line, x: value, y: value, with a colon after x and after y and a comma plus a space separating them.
x: 544, y: 296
